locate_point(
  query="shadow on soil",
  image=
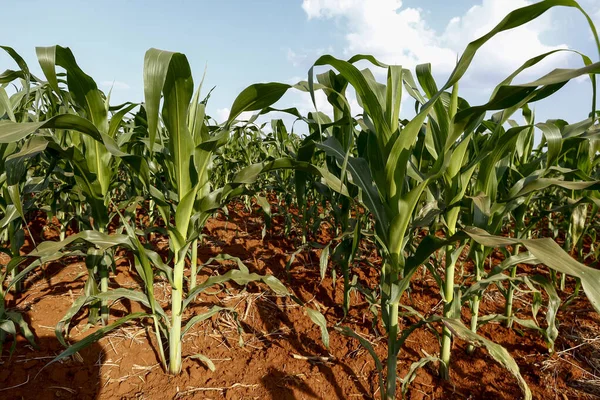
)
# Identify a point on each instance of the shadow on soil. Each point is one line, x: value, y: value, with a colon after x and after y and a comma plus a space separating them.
x: 279, y: 384
x: 23, y: 375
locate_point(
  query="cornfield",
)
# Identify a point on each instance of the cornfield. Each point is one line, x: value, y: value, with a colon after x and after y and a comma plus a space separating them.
x: 492, y: 213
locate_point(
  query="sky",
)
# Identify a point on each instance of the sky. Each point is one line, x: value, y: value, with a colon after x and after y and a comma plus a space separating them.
x: 241, y: 42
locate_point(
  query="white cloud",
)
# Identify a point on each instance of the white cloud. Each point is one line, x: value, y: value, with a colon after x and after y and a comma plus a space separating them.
x: 506, y: 52
x: 305, y: 104
x: 382, y: 28
x: 401, y: 35
x: 115, y: 85
x: 222, y: 114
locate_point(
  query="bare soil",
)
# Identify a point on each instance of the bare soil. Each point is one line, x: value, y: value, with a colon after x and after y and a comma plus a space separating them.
x: 269, y: 348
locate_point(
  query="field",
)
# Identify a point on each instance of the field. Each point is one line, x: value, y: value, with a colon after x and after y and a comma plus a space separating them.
x: 282, y: 357
x: 151, y: 252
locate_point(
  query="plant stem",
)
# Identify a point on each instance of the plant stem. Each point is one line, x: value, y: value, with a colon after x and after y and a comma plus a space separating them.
x: 390, y: 278
x: 194, y: 265
x: 449, y: 297
x: 91, y: 289
x: 15, y: 250
x: 563, y: 282
x: 176, y: 310
x: 392, y: 360
x: 508, y: 312
x: 345, y: 267
x: 16, y: 288
x: 63, y: 225
x: 475, y: 303
x: 103, y: 274
x: 568, y: 248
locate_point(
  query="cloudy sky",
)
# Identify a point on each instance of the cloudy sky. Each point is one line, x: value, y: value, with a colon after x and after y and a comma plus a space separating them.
x: 242, y: 42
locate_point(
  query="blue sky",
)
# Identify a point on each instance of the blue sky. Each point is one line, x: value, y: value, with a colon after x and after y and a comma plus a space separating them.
x: 242, y: 42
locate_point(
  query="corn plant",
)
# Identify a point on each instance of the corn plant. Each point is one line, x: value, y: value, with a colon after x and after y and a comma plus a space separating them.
x: 423, y: 190
x: 86, y: 141
x: 392, y: 182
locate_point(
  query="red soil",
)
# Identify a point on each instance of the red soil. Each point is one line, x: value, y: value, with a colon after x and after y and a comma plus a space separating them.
x: 278, y: 352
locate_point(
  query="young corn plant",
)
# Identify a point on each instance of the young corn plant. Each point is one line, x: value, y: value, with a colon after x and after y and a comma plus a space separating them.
x: 184, y: 168
x: 188, y: 198
x: 490, y: 215
x: 19, y: 181
x: 446, y: 168
x: 83, y: 134
x: 183, y: 165
x: 391, y: 185
x: 502, y: 150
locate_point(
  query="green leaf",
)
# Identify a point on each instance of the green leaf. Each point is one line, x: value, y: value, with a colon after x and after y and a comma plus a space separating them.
x: 16, y: 163
x: 361, y: 175
x: 207, y: 361
x: 81, y: 86
x: 550, y: 254
x: 178, y: 91
x: 183, y: 214
x: 8, y: 326
x: 94, y: 337
x: 323, y: 260
x: 201, y: 317
x: 497, y: 352
x: 364, y: 91
x: 553, y: 140
x: 251, y: 173
x: 6, y: 106
x: 367, y: 345
x: 412, y: 372
x: 534, y: 183
x: 13, y: 132
x: 553, y: 306
x: 156, y: 66
x: 101, y: 241
x: 241, y: 277
x: 318, y: 318
x: 256, y: 97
